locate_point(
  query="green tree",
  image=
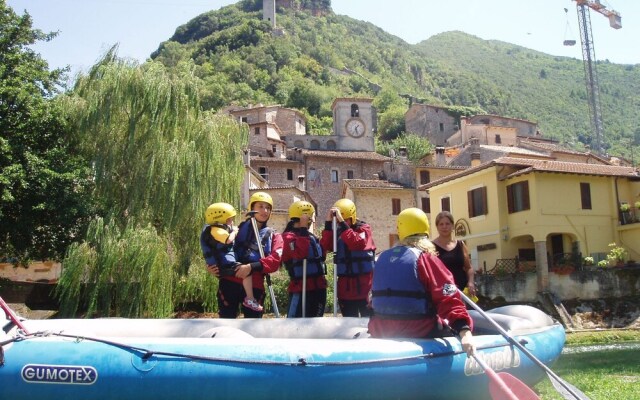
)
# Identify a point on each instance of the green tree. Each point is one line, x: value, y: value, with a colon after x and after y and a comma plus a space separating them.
x: 44, y: 182
x: 159, y: 160
x: 391, y: 122
x: 417, y: 146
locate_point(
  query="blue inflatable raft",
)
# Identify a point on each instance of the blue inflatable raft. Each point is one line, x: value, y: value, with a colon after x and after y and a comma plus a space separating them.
x: 319, y: 358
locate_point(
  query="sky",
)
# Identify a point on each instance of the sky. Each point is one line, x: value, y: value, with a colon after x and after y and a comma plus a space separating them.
x: 88, y: 28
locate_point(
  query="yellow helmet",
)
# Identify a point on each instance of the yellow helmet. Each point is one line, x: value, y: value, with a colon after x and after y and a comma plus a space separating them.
x: 300, y: 207
x: 412, y: 221
x: 260, y: 196
x: 219, y: 213
x: 347, y: 209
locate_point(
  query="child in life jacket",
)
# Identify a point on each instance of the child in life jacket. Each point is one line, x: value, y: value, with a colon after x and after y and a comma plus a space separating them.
x: 216, y: 241
x: 354, y: 257
x: 303, y: 258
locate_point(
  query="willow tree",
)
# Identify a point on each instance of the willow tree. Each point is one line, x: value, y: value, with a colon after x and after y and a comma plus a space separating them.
x: 158, y: 161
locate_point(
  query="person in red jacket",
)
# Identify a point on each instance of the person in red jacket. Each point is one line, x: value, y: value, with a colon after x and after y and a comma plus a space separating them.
x: 354, y: 257
x: 412, y: 288
x: 303, y: 257
x: 230, y: 291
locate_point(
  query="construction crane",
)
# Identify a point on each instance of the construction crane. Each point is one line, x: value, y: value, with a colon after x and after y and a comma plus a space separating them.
x: 589, y: 57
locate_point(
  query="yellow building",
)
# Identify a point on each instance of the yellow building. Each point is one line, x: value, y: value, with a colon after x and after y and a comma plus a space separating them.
x: 539, y: 211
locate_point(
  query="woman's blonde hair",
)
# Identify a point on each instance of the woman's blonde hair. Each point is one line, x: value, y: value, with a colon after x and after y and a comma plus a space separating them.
x: 420, y: 242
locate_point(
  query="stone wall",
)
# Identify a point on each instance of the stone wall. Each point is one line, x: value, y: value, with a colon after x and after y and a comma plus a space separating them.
x: 319, y: 184
x: 596, y: 283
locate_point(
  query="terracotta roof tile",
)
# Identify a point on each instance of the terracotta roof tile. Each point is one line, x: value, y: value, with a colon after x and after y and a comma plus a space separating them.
x: 359, y: 155
x: 371, y: 184
x: 532, y: 165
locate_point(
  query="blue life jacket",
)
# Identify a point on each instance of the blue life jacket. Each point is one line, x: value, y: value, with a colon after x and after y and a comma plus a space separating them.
x: 397, y: 293
x: 352, y: 263
x: 246, y: 245
x: 214, y: 252
x: 315, y: 262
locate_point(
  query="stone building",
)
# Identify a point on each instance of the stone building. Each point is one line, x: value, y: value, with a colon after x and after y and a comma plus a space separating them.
x: 431, y: 122
x: 378, y: 203
x: 493, y: 129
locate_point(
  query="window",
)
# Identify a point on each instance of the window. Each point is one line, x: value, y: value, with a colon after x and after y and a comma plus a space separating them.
x: 441, y: 127
x: 518, y: 197
x: 426, y: 205
x: 289, y: 174
x: 263, y: 172
x: 445, y: 204
x: 477, y: 201
x: 334, y: 175
x: 424, y: 177
x: 315, y: 145
x: 395, y: 206
x: 243, y: 119
x: 585, y: 195
x: 355, y: 111
x: 349, y: 174
x: 256, y: 131
x: 498, y: 139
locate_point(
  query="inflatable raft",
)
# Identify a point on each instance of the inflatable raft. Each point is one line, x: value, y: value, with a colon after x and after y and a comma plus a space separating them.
x: 319, y: 358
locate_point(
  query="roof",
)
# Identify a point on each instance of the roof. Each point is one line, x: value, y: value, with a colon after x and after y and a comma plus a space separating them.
x: 351, y: 99
x: 513, y: 150
x: 273, y: 160
x: 371, y: 184
x: 529, y: 165
x: 358, y: 155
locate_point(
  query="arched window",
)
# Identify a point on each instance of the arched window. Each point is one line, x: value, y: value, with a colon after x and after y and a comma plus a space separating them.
x: 355, y: 111
x: 331, y: 145
x: 298, y: 144
x: 315, y: 145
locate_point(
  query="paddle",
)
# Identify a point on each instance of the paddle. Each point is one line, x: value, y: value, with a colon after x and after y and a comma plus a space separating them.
x: 335, y: 270
x: 567, y: 390
x: 256, y: 232
x: 304, y: 288
x: 12, y: 316
x: 502, y: 385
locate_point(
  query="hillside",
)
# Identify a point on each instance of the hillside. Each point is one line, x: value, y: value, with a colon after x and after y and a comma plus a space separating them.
x: 323, y: 56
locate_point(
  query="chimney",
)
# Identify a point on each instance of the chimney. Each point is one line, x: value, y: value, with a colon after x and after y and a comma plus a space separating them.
x: 475, y: 158
x: 246, y: 157
x: 441, y: 159
x: 402, y: 152
x: 301, y: 182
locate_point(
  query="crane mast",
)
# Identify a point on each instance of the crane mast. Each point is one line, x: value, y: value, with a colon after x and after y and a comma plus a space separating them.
x: 589, y: 57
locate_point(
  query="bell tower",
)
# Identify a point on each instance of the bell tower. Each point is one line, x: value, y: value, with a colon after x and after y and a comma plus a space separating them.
x: 269, y: 12
x: 354, y: 123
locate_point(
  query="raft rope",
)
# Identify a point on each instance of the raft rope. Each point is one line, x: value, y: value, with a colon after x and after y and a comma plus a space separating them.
x: 146, y: 354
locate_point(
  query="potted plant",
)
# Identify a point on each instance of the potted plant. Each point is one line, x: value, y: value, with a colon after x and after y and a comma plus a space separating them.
x: 637, y: 205
x: 625, y: 207
x: 617, y: 255
x: 588, y: 261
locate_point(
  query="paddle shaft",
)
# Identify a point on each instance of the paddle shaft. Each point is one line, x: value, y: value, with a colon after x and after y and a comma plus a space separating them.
x: 511, y: 340
x: 13, y: 317
x: 272, y: 295
x: 304, y: 288
x: 335, y: 268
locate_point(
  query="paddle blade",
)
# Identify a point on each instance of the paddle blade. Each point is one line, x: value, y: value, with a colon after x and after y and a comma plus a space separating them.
x: 567, y: 390
x: 516, y: 387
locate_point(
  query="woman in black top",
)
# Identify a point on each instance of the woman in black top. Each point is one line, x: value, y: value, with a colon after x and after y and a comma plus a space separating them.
x: 453, y: 253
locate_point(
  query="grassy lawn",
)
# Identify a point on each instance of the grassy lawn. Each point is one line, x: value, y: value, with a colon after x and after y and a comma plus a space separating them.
x: 608, y: 374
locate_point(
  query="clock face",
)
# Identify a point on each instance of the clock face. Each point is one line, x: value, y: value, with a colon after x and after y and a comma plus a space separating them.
x: 355, y: 127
